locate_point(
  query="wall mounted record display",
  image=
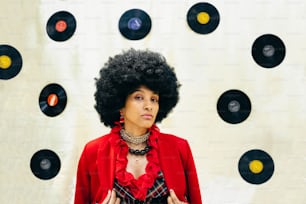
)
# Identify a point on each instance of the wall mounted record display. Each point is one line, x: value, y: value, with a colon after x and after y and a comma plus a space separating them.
x: 45, y: 164
x: 234, y: 106
x: 10, y: 62
x: 52, y: 100
x: 256, y: 166
x: 268, y: 51
x: 134, y: 24
x: 61, y: 26
x: 203, y: 18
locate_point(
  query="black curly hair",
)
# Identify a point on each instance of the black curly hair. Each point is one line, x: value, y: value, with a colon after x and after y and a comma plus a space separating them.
x: 126, y: 72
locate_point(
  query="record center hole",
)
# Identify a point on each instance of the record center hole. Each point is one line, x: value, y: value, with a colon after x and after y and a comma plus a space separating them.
x: 203, y: 18
x: 60, y: 26
x: 5, y: 62
x: 52, y: 100
x: 45, y: 164
x: 233, y: 106
x: 268, y: 50
x: 256, y: 166
x: 134, y: 23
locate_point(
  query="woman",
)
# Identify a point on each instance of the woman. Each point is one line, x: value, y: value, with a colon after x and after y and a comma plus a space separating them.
x: 135, y: 162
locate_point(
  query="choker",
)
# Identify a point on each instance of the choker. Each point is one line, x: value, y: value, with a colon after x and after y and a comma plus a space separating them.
x: 140, y: 152
x: 134, y: 139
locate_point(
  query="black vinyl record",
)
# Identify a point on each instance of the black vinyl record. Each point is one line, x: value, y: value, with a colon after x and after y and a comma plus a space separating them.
x: 134, y: 24
x: 10, y: 62
x: 45, y: 164
x: 256, y: 166
x: 268, y: 51
x: 234, y: 106
x: 61, y: 26
x: 52, y: 100
x: 203, y: 18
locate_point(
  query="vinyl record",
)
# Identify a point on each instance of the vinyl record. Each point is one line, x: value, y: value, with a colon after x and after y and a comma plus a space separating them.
x: 203, y: 18
x: 134, y: 24
x: 61, y: 26
x: 10, y: 62
x: 256, y: 166
x: 45, y: 164
x: 268, y: 51
x: 52, y: 100
x: 234, y: 106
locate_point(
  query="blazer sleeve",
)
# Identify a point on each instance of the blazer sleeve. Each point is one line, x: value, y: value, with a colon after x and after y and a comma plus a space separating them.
x: 82, y: 190
x: 193, y: 186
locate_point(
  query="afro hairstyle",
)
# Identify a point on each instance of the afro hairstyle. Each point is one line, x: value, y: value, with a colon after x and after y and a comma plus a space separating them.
x: 122, y: 74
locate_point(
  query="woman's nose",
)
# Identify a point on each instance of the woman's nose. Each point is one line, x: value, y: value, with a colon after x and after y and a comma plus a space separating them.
x: 148, y: 105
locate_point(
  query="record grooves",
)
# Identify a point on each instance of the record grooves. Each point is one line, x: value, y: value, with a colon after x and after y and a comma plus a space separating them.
x: 256, y: 166
x: 61, y: 26
x: 134, y: 24
x: 234, y: 106
x: 268, y: 51
x: 10, y: 62
x: 45, y: 164
x: 52, y: 100
x: 203, y: 18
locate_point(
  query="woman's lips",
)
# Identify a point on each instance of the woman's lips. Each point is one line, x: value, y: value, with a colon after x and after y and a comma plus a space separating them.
x: 147, y: 116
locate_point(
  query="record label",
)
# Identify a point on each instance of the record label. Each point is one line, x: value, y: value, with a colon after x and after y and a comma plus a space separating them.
x: 203, y: 18
x: 10, y: 62
x: 268, y: 51
x: 256, y: 166
x: 52, y: 100
x: 234, y: 106
x: 5, y: 62
x: 135, y: 24
x: 61, y: 26
x: 45, y: 164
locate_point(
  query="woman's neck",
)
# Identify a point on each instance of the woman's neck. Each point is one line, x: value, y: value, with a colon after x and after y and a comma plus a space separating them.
x: 135, y: 132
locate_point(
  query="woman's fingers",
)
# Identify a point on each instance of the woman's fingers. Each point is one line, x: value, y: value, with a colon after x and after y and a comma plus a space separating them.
x: 114, y: 199
x: 172, y: 198
x: 169, y: 200
x: 117, y: 200
x: 107, y: 198
x: 111, y: 198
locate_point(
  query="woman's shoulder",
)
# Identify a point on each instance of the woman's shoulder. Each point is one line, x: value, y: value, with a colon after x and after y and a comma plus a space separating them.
x: 175, y: 144
x: 94, y: 144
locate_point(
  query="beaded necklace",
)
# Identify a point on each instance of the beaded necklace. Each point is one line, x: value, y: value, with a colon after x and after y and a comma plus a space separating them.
x: 136, y: 140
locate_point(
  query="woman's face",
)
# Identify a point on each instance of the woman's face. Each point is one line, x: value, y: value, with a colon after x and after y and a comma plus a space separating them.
x: 140, y: 110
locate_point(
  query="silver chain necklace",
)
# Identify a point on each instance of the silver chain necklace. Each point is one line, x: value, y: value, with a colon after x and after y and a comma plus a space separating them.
x: 134, y: 139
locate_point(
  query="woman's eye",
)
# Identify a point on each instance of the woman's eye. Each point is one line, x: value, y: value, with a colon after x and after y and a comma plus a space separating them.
x: 155, y: 100
x: 138, y: 97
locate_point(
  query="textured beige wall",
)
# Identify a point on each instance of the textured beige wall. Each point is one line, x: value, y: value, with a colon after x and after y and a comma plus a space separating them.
x: 207, y: 66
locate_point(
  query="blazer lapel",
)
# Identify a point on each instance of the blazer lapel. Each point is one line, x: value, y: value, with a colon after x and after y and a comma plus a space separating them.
x: 171, y: 165
x: 106, y: 166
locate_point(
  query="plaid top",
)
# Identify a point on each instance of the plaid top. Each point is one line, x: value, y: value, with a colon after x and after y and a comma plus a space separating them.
x: 156, y: 195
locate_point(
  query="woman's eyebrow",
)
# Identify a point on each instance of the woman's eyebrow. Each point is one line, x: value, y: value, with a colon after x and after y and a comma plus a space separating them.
x: 137, y: 90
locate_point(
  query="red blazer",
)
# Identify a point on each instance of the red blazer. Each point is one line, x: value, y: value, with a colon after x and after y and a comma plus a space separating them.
x: 96, y: 169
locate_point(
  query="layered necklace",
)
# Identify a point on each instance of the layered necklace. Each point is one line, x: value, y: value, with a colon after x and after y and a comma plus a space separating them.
x: 136, y: 140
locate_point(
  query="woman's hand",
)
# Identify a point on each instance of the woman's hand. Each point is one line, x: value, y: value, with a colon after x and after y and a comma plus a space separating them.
x: 172, y: 199
x: 111, y: 198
